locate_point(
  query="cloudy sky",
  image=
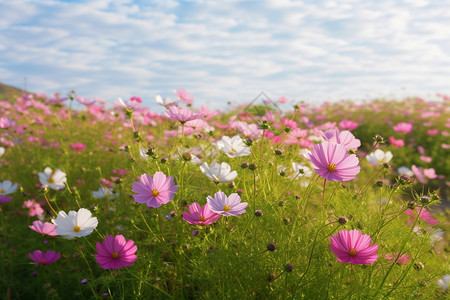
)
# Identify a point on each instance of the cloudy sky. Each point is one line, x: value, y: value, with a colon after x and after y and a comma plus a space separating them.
x: 226, y: 50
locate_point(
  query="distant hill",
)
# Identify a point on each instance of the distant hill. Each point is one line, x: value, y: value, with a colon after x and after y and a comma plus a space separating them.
x: 9, y: 93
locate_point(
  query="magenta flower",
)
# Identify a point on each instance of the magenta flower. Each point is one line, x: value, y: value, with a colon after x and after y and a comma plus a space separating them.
x: 84, y: 101
x: 6, y: 122
x: 424, y: 216
x: 396, y: 143
x: 200, y: 216
x: 184, y: 96
x: 181, y: 114
x: 333, y: 163
x: 4, y: 198
x: 116, y: 252
x: 46, y: 258
x: 44, y: 228
x: 154, y: 191
x: 348, y: 125
x: 344, y: 138
x: 78, y: 146
x: 403, y: 127
x: 402, y: 260
x: 226, y: 206
x: 353, y: 247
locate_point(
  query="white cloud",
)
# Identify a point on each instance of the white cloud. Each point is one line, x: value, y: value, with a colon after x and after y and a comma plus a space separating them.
x: 227, y: 50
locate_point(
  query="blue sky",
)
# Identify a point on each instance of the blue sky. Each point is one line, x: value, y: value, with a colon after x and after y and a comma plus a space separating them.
x: 223, y: 51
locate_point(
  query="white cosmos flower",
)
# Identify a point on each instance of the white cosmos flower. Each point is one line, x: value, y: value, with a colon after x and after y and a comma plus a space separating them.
x: 53, y: 179
x: 2, y: 151
x: 233, y: 147
x: 218, y: 173
x: 405, y: 171
x: 166, y: 101
x: 378, y: 157
x: 7, y: 187
x: 444, y: 282
x: 302, y: 169
x: 103, y: 192
x: 76, y: 224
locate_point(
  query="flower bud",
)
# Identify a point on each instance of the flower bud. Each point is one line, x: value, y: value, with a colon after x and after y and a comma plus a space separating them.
x: 289, y: 268
x: 258, y: 213
x: 271, y: 247
x: 253, y: 166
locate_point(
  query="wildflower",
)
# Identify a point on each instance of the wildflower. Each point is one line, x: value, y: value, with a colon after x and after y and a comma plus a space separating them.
x: 333, y: 163
x: 44, y: 228
x: 402, y: 260
x: 423, y: 215
x: 35, y: 208
x: 379, y: 158
x: 103, y: 192
x: 301, y: 170
x: 2, y: 151
x: 53, y: 179
x: 405, y: 171
x: 4, y: 199
x: 6, y: 122
x: 83, y: 281
x: 444, y: 282
x: 200, y: 216
x: 233, y: 147
x: 344, y: 138
x: 403, y: 127
x: 7, y: 187
x: 46, y: 258
x: 258, y: 213
x: 85, y: 101
x: 353, y: 247
x: 181, y: 114
x: 218, y: 173
x: 116, y: 252
x: 396, y: 143
x: 227, y: 206
x: 154, y: 191
x: 348, y: 125
x: 166, y: 101
x: 75, y: 224
x: 77, y: 146
x: 184, y: 96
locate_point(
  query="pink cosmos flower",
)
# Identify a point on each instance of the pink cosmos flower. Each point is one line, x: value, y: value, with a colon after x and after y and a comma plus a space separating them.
x: 432, y: 132
x: 85, y: 101
x: 333, y: 163
x: 403, y: 127
x: 78, y: 146
x: 226, y: 206
x: 116, y: 252
x: 396, y: 143
x: 184, y: 96
x: 402, y: 260
x: 425, y: 158
x: 424, y: 215
x: 353, y: 247
x: 44, y: 228
x: 46, y: 258
x: 137, y: 99
x: 4, y: 198
x: 154, y: 191
x: 6, y: 122
x: 283, y: 99
x: 344, y: 138
x: 181, y: 114
x: 347, y: 124
x: 429, y: 173
x: 35, y: 208
x: 200, y: 216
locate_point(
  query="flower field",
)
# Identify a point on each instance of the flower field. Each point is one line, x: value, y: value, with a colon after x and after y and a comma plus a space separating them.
x: 331, y: 201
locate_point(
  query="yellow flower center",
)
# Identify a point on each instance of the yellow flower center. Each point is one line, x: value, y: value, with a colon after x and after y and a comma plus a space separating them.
x: 115, y: 255
x: 202, y: 218
x: 234, y: 150
x: 331, y: 167
x: 155, y: 193
x: 77, y: 228
x: 107, y: 195
x: 43, y: 260
x: 352, y: 252
x: 2, y: 191
x: 51, y: 180
x: 226, y: 208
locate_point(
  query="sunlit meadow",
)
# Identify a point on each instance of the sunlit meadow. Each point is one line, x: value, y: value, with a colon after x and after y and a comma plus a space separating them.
x: 271, y: 200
